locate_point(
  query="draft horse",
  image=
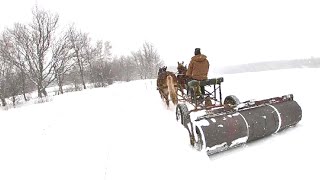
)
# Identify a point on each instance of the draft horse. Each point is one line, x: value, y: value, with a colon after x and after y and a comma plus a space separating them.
x: 182, y: 77
x: 167, y: 85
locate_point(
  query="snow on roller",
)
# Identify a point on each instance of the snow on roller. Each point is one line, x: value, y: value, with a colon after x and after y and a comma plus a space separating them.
x: 215, y: 126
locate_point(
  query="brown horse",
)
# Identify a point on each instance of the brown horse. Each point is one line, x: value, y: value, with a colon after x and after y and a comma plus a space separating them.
x: 167, y: 85
x: 182, y: 77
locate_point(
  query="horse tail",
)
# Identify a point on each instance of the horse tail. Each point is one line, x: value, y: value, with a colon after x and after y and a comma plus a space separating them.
x: 172, y: 91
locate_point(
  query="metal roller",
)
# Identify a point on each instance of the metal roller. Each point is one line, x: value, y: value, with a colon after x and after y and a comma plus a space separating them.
x: 249, y: 121
x: 215, y: 125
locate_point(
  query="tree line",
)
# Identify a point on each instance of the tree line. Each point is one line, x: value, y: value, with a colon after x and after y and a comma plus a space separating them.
x: 39, y: 55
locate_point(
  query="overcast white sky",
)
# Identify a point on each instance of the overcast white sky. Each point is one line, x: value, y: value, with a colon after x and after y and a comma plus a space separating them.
x: 228, y: 31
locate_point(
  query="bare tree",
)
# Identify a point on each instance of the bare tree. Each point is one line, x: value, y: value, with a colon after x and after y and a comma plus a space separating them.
x: 125, y: 68
x: 62, y: 56
x: 80, y: 42
x: 147, y: 60
x: 129, y: 69
x: 92, y: 54
x: 24, y: 82
x: 33, y: 43
x: 152, y: 58
x: 2, y: 82
x: 96, y: 65
x: 9, y: 79
x: 100, y: 64
x: 108, y: 73
x: 107, y: 51
x: 3, y: 61
x: 140, y: 64
x: 11, y: 54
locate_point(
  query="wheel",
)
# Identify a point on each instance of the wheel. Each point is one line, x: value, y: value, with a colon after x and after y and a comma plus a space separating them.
x: 182, y: 114
x: 231, y: 101
x: 198, y: 140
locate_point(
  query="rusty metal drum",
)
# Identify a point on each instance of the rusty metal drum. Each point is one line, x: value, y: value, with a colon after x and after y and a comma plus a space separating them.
x: 216, y: 132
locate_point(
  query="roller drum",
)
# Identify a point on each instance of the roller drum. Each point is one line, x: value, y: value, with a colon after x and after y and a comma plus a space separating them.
x: 218, y: 133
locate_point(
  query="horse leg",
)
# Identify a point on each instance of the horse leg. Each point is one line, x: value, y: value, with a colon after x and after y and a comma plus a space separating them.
x: 160, y: 94
x: 172, y: 89
x: 181, y: 84
x: 188, y: 90
x: 181, y: 89
x: 166, y: 97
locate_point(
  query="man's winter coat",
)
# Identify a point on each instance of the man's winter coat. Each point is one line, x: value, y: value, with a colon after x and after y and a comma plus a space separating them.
x: 198, y: 67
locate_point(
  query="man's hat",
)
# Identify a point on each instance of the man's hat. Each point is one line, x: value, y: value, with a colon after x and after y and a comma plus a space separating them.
x: 197, y: 51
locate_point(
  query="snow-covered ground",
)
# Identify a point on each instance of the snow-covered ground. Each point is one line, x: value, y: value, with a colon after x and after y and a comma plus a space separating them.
x: 125, y: 131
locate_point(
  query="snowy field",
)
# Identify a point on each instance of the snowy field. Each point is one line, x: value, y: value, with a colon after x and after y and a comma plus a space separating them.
x: 125, y: 132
